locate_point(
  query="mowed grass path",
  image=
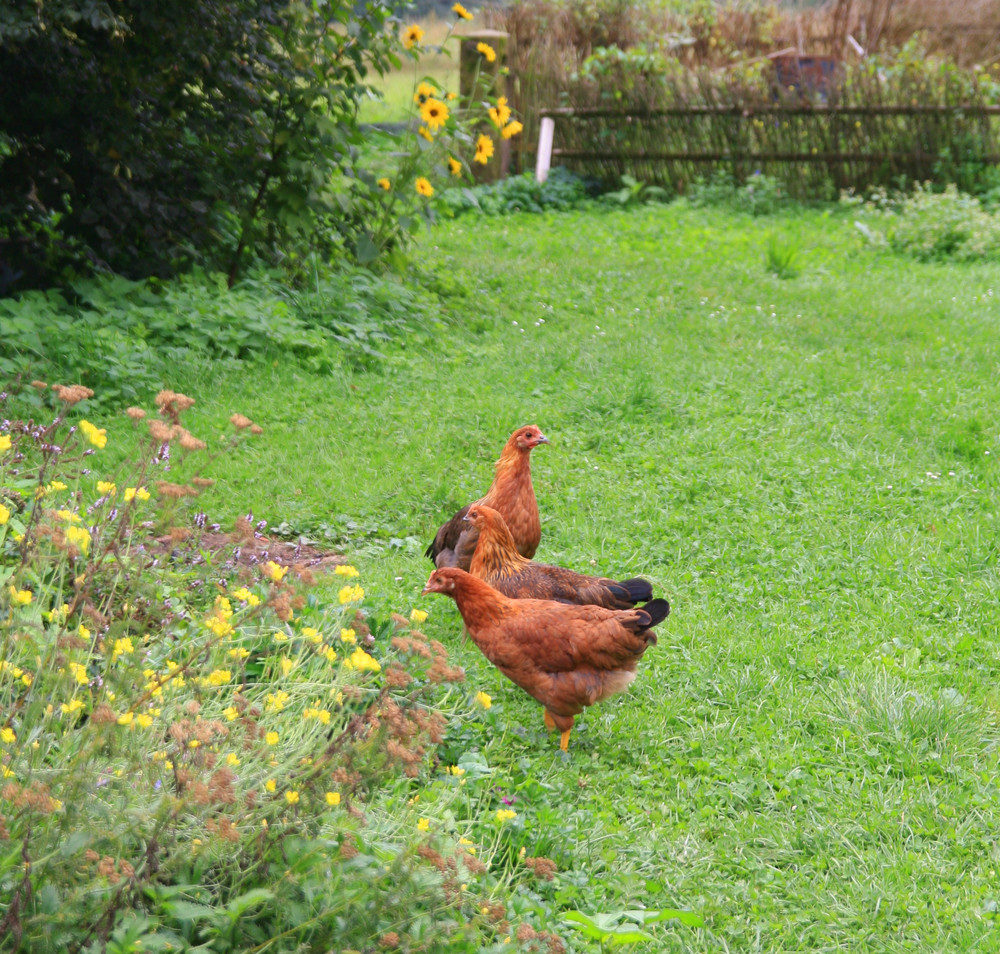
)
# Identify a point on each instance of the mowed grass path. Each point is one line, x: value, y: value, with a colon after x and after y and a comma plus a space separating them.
x: 807, y: 468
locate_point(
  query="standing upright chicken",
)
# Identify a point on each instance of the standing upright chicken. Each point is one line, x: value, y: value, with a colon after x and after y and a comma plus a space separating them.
x: 567, y: 657
x: 511, y: 494
x: 497, y: 561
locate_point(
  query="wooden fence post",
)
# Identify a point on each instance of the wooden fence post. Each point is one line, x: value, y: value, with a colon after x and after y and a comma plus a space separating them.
x: 478, y: 79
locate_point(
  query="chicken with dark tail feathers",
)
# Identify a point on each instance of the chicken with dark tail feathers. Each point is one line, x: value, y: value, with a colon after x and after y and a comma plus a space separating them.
x: 497, y: 561
x: 565, y: 656
x: 511, y: 494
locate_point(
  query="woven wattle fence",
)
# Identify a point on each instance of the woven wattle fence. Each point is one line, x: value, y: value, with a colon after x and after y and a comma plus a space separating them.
x: 812, y: 149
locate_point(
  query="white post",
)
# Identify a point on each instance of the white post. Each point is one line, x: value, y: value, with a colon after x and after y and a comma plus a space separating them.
x: 545, y: 136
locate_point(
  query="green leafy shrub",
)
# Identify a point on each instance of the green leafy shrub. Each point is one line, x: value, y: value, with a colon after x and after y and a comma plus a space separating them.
x: 929, y: 225
x: 562, y: 190
x: 206, y: 751
x: 760, y: 194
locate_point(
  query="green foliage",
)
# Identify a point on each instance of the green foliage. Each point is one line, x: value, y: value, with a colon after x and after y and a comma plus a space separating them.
x: 760, y: 194
x: 928, y: 224
x: 562, y: 190
x: 125, y: 339
x: 139, y: 137
x: 633, y: 192
x: 780, y: 258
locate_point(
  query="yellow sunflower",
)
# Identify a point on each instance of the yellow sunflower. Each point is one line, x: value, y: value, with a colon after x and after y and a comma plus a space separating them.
x: 486, y: 50
x: 434, y: 113
x: 424, y: 187
x: 460, y: 11
x: 426, y: 133
x: 454, y: 166
x: 424, y: 91
x: 500, y: 114
x: 384, y: 184
x: 412, y: 35
x: 512, y: 129
x: 484, y: 149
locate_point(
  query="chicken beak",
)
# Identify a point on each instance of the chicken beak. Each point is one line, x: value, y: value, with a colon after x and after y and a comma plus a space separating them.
x: 428, y: 588
x: 542, y: 439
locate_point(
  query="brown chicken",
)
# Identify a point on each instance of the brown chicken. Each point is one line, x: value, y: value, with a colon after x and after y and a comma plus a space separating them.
x: 565, y: 656
x: 497, y: 561
x: 511, y: 494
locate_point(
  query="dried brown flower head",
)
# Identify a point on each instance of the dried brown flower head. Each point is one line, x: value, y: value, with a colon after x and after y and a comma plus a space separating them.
x: 544, y: 868
x: 189, y: 442
x: 389, y: 940
x: 240, y: 421
x: 71, y: 394
x: 172, y: 404
x: 202, y: 481
x: 160, y: 431
x: 40, y: 385
x: 174, y: 491
x: 136, y: 413
x: 256, y: 430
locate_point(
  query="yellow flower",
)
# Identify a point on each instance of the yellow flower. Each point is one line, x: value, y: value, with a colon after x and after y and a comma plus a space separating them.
x: 384, y: 184
x: 144, y: 721
x: 292, y: 797
x: 4, y: 515
x: 487, y: 51
x: 483, y: 699
x: 126, y: 718
x: 20, y: 597
x: 333, y: 798
x: 68, y: 708
x: 276, y: 701
x: 219, y: 677
x: 348, y: 636
x: 330, y: 653
x: 500, y: 114
x: 271, y: 738
x: 424, y: 91
x: 412, y: 36
x: 505, y: 814
x: 232, y: 759
x: 361, y: 661
x: 78, y: 672
x: 424, y: 187
x: 78, y: 537
x: 434, y: 113
x: 417, y: 615
x: 345, y: 569
x: 484, y: 149
x: 231, y: 713
x: 280, y: 637
x: 194, y: 743
x: 7, y: 735
x: 312, y: 634
x: 426, y: 133
x: 4, y: 442
x: 351, y: 594
x: 56, y: 485
x: 107, y: 488
x: 122, y: 646
x: 243, y: 595
x: 456, y: 771
x: 286, y: 665
x: 274, y: 571
x: 512, y: 129
x: 139, y: 493
x: 423, y: 824
x: 460, y: 11
x: 270, y: 785
x: 454, y: 166
x: 238, y: 652
x: 97, y: 436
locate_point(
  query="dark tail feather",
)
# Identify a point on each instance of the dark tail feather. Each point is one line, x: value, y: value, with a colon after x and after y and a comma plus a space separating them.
x: 657, y: 610
x: 429, y: 552
x: 636, y: 590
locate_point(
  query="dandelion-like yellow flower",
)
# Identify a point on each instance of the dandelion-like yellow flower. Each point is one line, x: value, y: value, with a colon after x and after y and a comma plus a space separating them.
x: 78, y: 537
x: 424, y: 187
x: 122, y: 647
x: 483, y: 699
x: 361, y: 661
x: 434, y: 113
x: 333, y: 798
x: 505, y: 814
x: 270, y: 785
x: 345, y: 569
x: 107, y: 488
x: 348, y: 636
x: 231, y: 713
x: 456, y: 771
x: 274, y: 571
x: 4, y: 442
x: 412, y: 35
x: 484, y: 149
x: 276, y: 701
x: 97, y: 436
x: 331, y: 654
x: 271, y: 738
x: 351, y: 594
x: 292, y: 797
x: 4, y: 514
x: 487, y: 51
x: 511, y: 129
x: 20, y: 597
x: 126, y: 718
x: 144, y: 721
x: 139, y: 493
x: 460, y: 11
x: 424, y: 91
x: 232, y: 759
x: 384, y: 183
x: 219, y: 677
x: 500, y: 114
x: 417, y: 615
x: 423, y: 824
x: 454, y: 166
x: 7, y: 735
x: 74, y: 705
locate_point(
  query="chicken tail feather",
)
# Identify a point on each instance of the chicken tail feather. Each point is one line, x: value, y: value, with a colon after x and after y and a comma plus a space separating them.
x: 656, y: 610
x: 636, y: 590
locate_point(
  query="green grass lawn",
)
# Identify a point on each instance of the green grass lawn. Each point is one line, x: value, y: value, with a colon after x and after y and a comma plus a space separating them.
x: 805, y: 467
